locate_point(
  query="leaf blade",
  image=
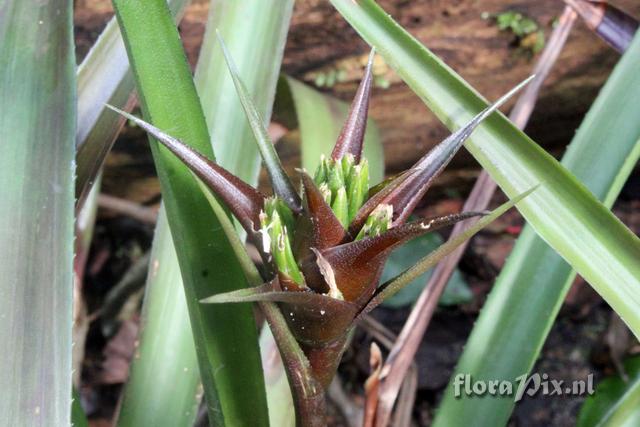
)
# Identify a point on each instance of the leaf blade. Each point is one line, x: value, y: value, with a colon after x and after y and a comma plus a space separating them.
x: 37, y: 124
x: 104, y: 76
x: 280, y: 181
x: 351, y: 138
x: 320, y: 118
x: 255, y: 22
x: 157, y: 56
x: 165, y: 346
x: 530, y: 289
x: 615, y: 401
x: 563, y: 212
x: 393, y: 286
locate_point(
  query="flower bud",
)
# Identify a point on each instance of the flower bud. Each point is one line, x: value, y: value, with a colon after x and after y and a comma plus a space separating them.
x: 357, y: 187
x: 378, y: 222
x: 274, y: 221
x: 340, y: 206
x: 344, y: 185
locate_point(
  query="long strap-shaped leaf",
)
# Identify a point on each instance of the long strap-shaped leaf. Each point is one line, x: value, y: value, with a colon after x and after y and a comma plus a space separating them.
x: 529, y: 291
x: 279, y: 180
x: 391, y: 287
x: 563, y: 212
x: 405, y: 347
x: 157, y: 57
x: 411, y: 188
x: 103, y: 76
x: 258, y: 23
x: 37, y: 122
x: 169, y: 400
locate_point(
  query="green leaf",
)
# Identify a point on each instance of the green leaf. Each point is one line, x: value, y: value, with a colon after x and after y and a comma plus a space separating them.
x: 253, y: 21
x: 165, y: 367
x: 563, y: 212
x: 396, y: 284
x: 225, y: 337
x: 527, y: 296
x: 165, y: 327
x: 78, y: 417
x: 104, y: 77
x: 280, y: 182
x: 37, y: 124
x: 616, y: 401
x: 456, y: 292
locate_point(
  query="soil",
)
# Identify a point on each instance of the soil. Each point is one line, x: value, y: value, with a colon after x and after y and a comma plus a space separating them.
x: 320, y: 41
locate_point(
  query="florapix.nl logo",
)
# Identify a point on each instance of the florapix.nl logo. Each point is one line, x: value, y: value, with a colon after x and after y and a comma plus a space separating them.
x: 530, y: 385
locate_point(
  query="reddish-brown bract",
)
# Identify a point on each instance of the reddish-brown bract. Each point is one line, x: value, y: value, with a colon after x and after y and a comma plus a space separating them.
x: 340, y: 269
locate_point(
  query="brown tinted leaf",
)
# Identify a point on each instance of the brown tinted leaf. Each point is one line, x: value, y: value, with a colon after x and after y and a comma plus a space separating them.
x: 408, y: 193
x: 242, y: 199
x: 377, y: 198
x: 392, y: 286
x: 313, y: 318
x: 324, y: 228
x: 613, y: 25
x: 357, y: 265
x: 352, y: 135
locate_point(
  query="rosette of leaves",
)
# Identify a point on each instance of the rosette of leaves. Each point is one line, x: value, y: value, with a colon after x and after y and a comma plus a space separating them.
x: 324, y: 249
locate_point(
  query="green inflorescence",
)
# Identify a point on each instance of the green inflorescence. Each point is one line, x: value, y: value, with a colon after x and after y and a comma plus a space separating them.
x: 276, y: 222
x: 345, y: 187
x: 377, y: 223
x: 344, y: 184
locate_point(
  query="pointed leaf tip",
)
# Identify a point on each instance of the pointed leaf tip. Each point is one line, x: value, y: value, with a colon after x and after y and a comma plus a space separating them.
x: 281, y: 183
x: 351, y: 137
x: 242, y: 199
x: 410, y: 191
x: 356, y: 266
x: 392, y: 286
x: 325, y: 228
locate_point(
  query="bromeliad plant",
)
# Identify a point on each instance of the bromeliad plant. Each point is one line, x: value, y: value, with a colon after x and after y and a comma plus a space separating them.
x: 324, y: 249
x: 326, y: 288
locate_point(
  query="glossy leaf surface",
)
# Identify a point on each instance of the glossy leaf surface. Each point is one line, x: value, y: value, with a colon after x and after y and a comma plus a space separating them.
x: 563, y: 212
x: 527, y: 296
x: 157, y: 58
x: 104, y: 76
